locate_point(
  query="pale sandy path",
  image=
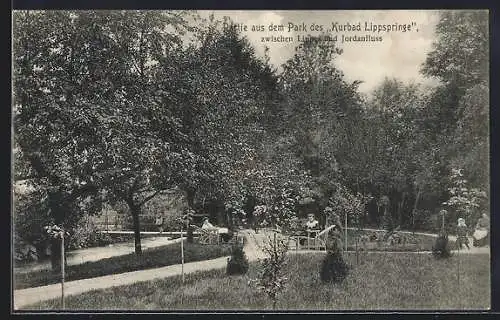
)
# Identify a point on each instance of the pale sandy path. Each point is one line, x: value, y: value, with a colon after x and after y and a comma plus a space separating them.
x: 94, y: 254
x: 29, y: 296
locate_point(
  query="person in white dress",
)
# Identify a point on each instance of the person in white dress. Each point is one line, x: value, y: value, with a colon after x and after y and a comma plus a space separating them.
x: 223, y: 232
x: 482, y: 231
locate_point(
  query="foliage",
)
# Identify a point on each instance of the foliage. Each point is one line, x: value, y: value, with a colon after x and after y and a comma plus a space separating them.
x: 30, y: 215
x: 119, y: 106
x: 334, y: 268
x: 272, y: 279
x: 87, y: 235
x: 464, y: 202
x: 24, y: 251
x: 426, y: 220
x: 472, y: 136
x: 459, y: 106
x: 460, y: 52
x: 238, y: 262
x: 81, y: 82
x: 343, y: 202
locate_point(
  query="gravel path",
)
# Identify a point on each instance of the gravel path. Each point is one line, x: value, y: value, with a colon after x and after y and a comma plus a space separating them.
x: 98, y: 253
x: 29, y: 296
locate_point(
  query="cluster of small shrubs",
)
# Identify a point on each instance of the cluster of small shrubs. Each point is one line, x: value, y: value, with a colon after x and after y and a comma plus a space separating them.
x: 440, y: 249
x: 238, y: 262
x: 87, y: 235
x: 334, y: 268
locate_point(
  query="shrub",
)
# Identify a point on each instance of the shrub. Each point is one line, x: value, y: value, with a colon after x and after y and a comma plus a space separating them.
x: 238, y: 263
x: 425, y: 220
x: 272, y: 278
x: 30, y: 215
x: 334, y: 268
x: 440, y: 248
x: 86, y: 234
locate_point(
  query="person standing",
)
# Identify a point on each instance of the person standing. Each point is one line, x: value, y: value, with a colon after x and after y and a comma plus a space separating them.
x: 462, y: 233
x: 159, y: 223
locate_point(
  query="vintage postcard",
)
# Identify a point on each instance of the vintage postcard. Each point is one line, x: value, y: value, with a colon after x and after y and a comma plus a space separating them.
x: 250, y: 160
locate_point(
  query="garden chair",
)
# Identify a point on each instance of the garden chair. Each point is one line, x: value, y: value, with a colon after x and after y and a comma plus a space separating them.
x: 316, y: 240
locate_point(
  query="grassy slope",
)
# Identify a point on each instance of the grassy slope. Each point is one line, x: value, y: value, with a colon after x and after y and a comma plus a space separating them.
x: 151, y: 258
x: 378, y: 281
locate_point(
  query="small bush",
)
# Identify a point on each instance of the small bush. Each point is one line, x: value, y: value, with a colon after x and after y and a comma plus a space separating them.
x: 334, y: 269
x: 87, y: 235
x: 238, y: 263
x: 272, y: 278
x: 440, y: 248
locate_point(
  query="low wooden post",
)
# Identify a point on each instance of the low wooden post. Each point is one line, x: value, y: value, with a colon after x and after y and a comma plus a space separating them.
x: 182, y: 256
x: 458, y: 265
x: 62, y: 269
x: 345, y: 233
x: 357, y: 258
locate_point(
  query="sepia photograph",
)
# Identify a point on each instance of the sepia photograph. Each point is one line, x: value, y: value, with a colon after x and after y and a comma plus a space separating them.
x: 251, y: 160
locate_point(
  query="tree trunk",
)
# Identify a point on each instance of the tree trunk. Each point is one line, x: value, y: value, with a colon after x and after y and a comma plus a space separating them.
x: 137, y: 232
x: 57, y: 213
x: 190, y: 193
x: 55, y: 254
x: 135, y: 211
x: 400, y: 208
x: 190, y: 236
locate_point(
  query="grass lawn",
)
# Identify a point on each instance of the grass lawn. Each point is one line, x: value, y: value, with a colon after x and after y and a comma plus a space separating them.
x: 151, y: 258
x: 377, y: 281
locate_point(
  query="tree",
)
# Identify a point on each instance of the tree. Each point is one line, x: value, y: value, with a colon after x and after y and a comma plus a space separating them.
x: 471, y: 136
x: 316, y: 100
x: 52, y: 115
x: 83, y: 82
x: 460, y: 60
x: 460, y: 53
x: 463, y: 202
x: 319, y: 109
x: 223, y: 86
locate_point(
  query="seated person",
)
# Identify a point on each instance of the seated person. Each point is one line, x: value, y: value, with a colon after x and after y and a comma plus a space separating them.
x: 311, y: 225
x: 207, y: 225
x: 482, y: 231
x: 223, y: 232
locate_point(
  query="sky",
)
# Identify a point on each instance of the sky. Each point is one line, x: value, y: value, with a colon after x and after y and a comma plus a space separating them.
x: 399, y: 54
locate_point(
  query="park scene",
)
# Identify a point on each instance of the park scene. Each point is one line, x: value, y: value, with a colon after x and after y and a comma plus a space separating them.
x: 173, y: 161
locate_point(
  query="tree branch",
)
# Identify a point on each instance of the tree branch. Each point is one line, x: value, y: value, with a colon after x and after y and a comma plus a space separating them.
x: 150, y: 197
x: 81, y: 191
